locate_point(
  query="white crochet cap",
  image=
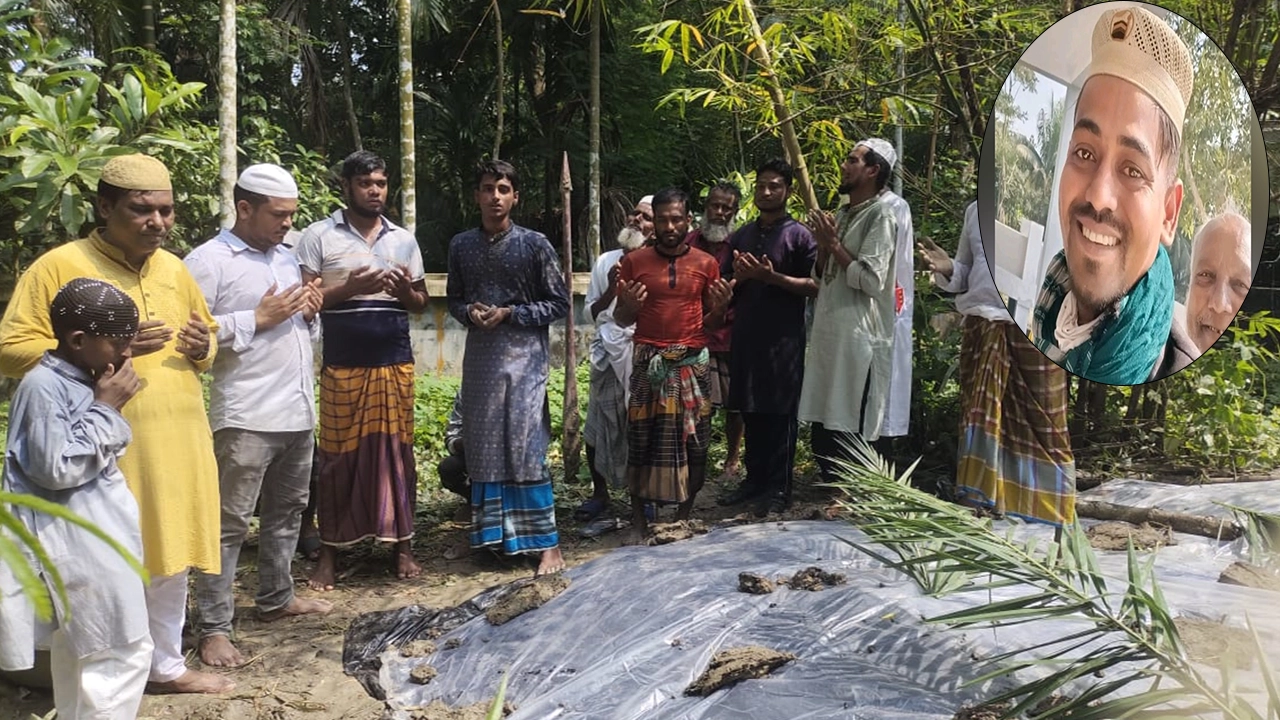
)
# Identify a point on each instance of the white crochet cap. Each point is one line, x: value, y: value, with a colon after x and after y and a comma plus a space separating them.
x: 269, y: 180
x: 646, y: 200
x: 1134, y: 45
x: 881, y: 148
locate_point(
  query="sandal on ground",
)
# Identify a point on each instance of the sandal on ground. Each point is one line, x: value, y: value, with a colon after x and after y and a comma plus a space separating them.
x: 590, y: 509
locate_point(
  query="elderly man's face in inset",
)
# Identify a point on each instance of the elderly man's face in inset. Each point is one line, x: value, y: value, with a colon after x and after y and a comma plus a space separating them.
x: 1118, y: 200
x: 1221, y: 272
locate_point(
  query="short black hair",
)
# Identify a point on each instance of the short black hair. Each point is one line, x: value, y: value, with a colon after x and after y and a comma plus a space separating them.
x: 362, y: 162
x: 670, y: 196
x: 498, y: 170
x: 254, y: 199
x: 873, y: 158
x: 727, y: 188
x: 779, y: 166
x: 110, y: 193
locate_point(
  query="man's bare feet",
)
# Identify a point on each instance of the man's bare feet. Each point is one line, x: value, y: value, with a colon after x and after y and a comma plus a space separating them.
x: 217, y: 651
x: 298, y: 606
x: 635, y: 536
x: 552, y: 562
x: 406, y: 566
x: 193, y: 681
x: 325, y: 574
x: 731, y: 470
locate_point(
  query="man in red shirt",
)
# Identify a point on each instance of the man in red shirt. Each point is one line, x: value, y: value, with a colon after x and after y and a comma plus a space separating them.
x: 670, y: 291
x: 712, y: 238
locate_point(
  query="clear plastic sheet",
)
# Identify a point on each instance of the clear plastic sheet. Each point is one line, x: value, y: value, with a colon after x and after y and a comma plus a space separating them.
x: 640, y: 624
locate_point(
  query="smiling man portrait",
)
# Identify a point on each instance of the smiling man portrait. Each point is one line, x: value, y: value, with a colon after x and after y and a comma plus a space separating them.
x: 1105, y: 311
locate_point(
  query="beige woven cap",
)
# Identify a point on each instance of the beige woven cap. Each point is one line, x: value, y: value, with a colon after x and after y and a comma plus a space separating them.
x: 136, y: 172
x: 1134, y: 45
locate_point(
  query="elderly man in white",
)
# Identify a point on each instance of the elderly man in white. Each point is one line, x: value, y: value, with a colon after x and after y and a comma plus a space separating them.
x: 262, y: 401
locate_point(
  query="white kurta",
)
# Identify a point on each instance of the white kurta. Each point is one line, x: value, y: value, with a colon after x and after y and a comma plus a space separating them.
x: 846, y: 377
x: 897, y: 417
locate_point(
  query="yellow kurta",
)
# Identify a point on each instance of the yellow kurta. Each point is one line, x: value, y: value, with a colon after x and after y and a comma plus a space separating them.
x: 170, y: 466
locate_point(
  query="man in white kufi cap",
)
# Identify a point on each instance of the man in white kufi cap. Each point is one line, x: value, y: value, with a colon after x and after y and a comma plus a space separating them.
x: 261, y: 403
x: 1105, y: 310
x: 605, y: 432
x: 846, y: 377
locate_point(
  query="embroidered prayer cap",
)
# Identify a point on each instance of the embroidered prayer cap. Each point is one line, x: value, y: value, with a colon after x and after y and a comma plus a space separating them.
x: 136, y: 172
x: 1134, y: 45
x: 269, y: 180
x: 881, y: 148
x: 95, y: 307
x: 646, y: 200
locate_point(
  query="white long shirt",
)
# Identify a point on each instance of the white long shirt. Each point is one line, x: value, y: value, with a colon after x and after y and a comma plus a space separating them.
x: 262, y: 380
x: 971, y: 277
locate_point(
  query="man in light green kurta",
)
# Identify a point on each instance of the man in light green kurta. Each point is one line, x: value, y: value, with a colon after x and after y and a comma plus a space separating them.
x: 847, y: 370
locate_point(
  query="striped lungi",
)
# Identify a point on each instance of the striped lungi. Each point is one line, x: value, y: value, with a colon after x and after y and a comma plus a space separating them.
x: 718, y: 372
x: 517, y: 517
x: 1015, y: 451
x: 668, y: 426
x: 367, y: 482
x: 606, y: 426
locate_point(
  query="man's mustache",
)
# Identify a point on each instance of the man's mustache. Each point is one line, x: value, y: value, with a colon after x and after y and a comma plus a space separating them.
x: 1085, y: 209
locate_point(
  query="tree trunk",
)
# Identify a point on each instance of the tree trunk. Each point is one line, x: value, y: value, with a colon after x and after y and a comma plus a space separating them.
x: 343, y: 29
x: 790, y: 141
x: 408, y: 198
x: 933, y: 158
x: 502, y: 80
x: 593, y: 184
x: 147, y: 24
x: 569, y: 441
x: 227, y: 111
x: 1203, y: 525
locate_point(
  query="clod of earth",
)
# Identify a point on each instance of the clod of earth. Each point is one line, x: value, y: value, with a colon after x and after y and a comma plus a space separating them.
x: 417, y: 648
x: 664, y: 533
x: 437, y: 710
x: 1116, y: 534
x: 814, y: 578
x: 1048, y: 704
x: 1239, y: 573
x: 1211, y: 642
x: 533, y: 595
x: 732, y: 666
x: 987, y: 711
x: 754, y: 584
x: 452, y: 644
x: 422, y: 674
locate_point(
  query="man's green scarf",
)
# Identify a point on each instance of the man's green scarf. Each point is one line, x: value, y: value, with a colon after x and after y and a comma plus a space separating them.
x: 1127, y: 343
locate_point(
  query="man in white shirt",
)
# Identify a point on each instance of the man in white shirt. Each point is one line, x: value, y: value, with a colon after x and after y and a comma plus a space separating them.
x: 1015, y: 452
x: 261, y: 403
x: 605, y: 433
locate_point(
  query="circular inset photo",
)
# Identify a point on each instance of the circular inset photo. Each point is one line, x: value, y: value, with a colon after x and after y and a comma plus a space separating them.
x: 1123, y: 193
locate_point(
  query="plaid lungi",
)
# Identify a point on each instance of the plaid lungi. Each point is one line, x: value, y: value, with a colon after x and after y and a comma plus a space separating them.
x: 517, y: 517
x: 718, y: 371
x: 1015, y: 452
x: 367, y: 485
x: 606, y: 427
x: 660, y: 442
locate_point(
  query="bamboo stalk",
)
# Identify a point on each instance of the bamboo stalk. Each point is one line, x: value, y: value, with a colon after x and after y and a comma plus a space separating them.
x: 569, y: 441
x: 1204, y: 525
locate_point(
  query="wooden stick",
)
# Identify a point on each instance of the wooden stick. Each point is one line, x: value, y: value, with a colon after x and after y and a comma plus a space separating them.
x: 1205, y: 525
x: 569, y: 441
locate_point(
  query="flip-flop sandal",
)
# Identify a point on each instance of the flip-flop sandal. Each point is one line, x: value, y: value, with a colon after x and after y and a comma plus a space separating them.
x: 309, y: 547
x: 590, y: 509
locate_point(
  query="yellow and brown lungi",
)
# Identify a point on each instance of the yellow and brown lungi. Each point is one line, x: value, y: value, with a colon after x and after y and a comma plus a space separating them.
x: 1015, y: 451
x: 367, y: 484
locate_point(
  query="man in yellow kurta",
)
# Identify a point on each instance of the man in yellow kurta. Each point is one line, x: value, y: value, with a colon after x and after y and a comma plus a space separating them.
x: 170, y: 465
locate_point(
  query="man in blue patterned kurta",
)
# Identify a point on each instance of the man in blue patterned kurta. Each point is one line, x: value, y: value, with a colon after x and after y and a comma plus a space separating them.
x: 506, y: 288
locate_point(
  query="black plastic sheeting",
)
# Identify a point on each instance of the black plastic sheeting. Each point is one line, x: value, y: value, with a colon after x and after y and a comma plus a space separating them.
x: 638, y: 625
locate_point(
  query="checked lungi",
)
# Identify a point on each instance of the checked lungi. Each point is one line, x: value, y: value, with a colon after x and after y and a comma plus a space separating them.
x: 668, y: 421
x: 1015, y: 451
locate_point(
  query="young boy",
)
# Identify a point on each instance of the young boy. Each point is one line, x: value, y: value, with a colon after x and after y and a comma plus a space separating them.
x: 65, y: 435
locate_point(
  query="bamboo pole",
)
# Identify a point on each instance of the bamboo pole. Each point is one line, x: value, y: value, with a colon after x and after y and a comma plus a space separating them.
x: 570, y: 444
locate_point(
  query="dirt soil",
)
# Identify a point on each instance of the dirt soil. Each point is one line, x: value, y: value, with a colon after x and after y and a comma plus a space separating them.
x: 439, y: 711
x: 1239, y: 573
x: 295, y: 667
x: 754, y: 584
x: 814, y: 578
x: 534, y: 595
x: 998, y: 711
x: 731, y: 666
x: 422, y: 674
x: 417, y: 648
x: 1115, y: 535
x: 1209, y: 642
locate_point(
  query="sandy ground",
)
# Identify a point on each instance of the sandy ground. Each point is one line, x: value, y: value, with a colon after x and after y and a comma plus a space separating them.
x: 295, y: 669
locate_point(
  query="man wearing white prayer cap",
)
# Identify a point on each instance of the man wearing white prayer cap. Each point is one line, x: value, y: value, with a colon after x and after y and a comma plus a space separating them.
x: 261, y: 402
x: 847, y: 371
x: 1106, y: 309
x: 605, y: 432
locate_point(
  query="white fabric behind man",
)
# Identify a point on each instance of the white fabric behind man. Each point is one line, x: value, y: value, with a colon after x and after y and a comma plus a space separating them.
x: 898, y: 414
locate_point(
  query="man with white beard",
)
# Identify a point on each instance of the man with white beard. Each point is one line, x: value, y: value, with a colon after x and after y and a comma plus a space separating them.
x: 711, y: 237
x: 605, y: 434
